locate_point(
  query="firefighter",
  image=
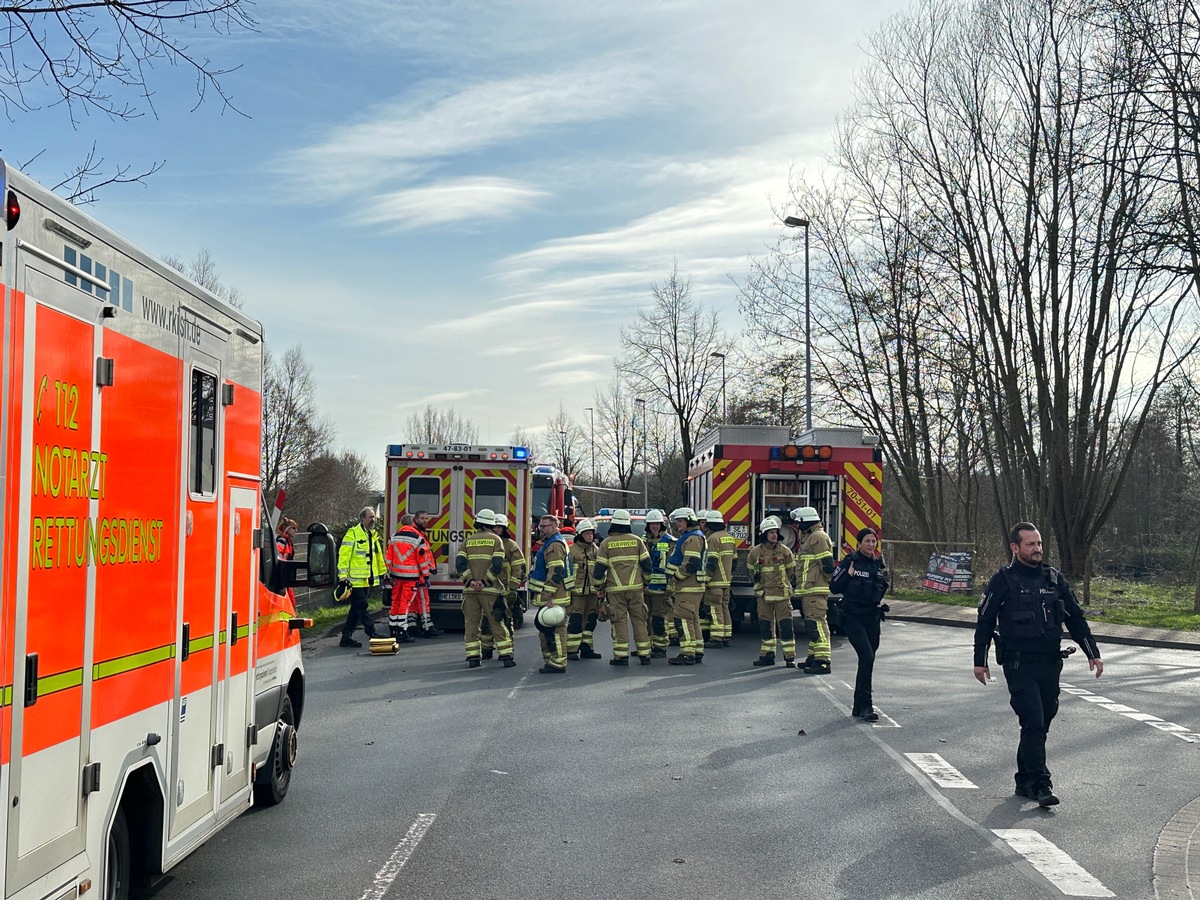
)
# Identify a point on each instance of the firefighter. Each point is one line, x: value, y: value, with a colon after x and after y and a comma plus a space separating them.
x: 585, y: 605
x: 622, y: 567
x: 771, y: 566
x: 814, y: 568
x: 706, y: 613
x: 360, y: 562
x: 659, y: 544
x: 685, y: 571
x: 514, y: 571
x: 722, y: 550
x: 480, y: 564
x: 550, y: 582
x: 408, y: 561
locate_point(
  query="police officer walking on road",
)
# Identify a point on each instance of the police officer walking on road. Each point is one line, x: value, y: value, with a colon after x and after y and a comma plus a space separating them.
x: 1031, y: 601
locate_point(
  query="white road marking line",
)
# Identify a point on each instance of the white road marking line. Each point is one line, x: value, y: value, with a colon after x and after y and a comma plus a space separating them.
x: 885, y: 721
x: 939, y: 771
x: 1180, y: 731
x: 1058, y: 868
x: 520, y: 684
x: 405, y: 849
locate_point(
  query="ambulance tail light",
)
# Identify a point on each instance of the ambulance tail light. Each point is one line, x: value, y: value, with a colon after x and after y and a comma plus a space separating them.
x: 12, y: 210
x: 504, y: 456
x: 494, y: 456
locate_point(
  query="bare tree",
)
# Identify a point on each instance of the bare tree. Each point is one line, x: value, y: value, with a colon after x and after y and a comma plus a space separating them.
x: 617, y: 434
x: 331, y: 488
x: 523, y: 438
x: 567, y: 442
x: 96, y: 56
x: 202, y: 269
x: 293, y: 431
x: 667, y: 357
x: 440, y: 426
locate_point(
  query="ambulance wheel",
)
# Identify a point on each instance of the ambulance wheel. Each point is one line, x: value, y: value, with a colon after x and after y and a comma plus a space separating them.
x: 117, y: 873
x: 273, y: 783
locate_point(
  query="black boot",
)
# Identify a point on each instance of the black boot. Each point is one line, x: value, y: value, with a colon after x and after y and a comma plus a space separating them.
x: 818, y: 667
x: 548, y: 669
x: 586, y: 652
x: 867, y: 714
x: 681, y: 660
x: 508, y: 661
x: 489, y: 652
x: 621, y: 661
x: 473, y: 663
x: 645, y: 660
x: 767, y: 659
x: 790, y: 662
x: 349, y: 642
x: 658, y: 652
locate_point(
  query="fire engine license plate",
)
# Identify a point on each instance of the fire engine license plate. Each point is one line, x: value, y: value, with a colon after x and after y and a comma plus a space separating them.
x: 450, y: 596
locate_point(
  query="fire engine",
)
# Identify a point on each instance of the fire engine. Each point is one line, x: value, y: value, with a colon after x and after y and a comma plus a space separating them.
x: 451, y: 482
x: 151, y: 674
x: 749, y: 472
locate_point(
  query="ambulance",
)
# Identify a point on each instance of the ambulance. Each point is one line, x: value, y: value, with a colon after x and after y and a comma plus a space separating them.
x: 451, y: 482
x: 152, y: 683
x: 749, y: 472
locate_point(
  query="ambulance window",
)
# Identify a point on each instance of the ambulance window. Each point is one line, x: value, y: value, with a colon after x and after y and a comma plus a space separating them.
x: 426, y: 494
x: 491, y: 493
x: 202, y: 461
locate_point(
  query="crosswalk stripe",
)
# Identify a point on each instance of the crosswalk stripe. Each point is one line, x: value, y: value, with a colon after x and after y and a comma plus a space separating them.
x: 939, y: 771
x: 1055, y: 865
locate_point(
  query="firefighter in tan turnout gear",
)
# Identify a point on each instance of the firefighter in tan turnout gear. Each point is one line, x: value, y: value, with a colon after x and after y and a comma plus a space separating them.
x: 585, y: 605
x: 771, y: 566
x: 659, y: 544
x: 480, y: 565
x: 814, y: 568
x: 686, y: 575
x: 622, y: 567
x: 550, y: 582
x: 722, y: 551
x: 514, y: 571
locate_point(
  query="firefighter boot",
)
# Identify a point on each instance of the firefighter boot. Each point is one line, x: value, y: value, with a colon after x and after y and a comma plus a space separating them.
x: 586, y: 652
x: 818, y: 667
x: 508, y: 661
x: 767, y: 659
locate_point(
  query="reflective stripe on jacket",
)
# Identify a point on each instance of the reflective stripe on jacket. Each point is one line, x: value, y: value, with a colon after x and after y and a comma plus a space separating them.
x: 360, y: 557
x: 813, y: 556
x: 771, y: 567
x: 619, y: 563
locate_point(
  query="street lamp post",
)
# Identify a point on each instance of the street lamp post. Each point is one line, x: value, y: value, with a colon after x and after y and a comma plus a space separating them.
x: 566, y: 462
x: 592, y: 426
x: 796, y: 222
x: 724, y: 395
x: 645, y: 483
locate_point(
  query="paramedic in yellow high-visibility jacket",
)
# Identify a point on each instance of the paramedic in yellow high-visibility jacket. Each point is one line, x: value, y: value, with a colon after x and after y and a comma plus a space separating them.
x: 360, y: 562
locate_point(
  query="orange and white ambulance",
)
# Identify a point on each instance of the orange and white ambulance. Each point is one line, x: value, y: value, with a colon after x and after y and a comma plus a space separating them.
x: 749, y: 472
x: 452, y: 482
x: 150, y: 666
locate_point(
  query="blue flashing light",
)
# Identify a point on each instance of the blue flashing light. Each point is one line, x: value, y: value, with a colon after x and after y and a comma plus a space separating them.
x: 395, y: 449
x: 775, y: 454
x: 604, y: 511
x: 520, y: 453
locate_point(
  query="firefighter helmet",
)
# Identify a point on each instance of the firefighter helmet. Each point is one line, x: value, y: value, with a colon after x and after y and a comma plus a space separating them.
x: 621, y: 517
x: 715, y: 517
x: 655, y: 515
x: 806, y: 515
x: 770, y: 522
x: 341, y: 590
x: 502, y: 520
x: 684, y: 512
x: 584, y: 525
x: 547, y: 618
x: 485, y: 517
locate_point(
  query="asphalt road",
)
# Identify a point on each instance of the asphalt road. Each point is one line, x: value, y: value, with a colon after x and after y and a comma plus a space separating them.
x: 419, y: 778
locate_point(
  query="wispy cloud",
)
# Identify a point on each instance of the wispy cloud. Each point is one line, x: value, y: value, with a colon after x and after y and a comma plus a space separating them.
x: 443, y: 397
x: 396, y: 140
x: 569, y: 360
x: 450, y: 200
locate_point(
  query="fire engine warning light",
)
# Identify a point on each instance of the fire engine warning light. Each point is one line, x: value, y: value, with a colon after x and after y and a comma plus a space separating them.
x: 802, y: 452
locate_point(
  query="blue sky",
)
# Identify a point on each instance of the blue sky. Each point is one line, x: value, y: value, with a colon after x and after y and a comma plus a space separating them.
x: 461, y: 203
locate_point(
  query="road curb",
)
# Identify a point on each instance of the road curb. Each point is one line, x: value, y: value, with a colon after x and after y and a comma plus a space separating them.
x: 1178, y: 840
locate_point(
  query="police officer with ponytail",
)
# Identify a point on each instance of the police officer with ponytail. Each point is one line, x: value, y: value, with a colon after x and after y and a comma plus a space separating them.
x: 1031, y: 602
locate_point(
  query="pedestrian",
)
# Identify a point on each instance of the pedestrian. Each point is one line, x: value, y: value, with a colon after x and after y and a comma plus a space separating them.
x: 1031, y: 601
x: 659, y: 544
x: 408, y: 562
x: 480, y: 563
x: 862, y: 580
x: 622, y: 566
x: 283, y: 538
x: 585, y: 605
x: 771, y: 565
x: 814, y: 567
x: 550, y: 582
x: 360, y: 562
x: 686, y: 573
x: 722, y: 553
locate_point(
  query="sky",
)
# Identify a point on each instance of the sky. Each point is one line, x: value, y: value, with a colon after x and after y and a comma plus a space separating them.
x: 461, y: 203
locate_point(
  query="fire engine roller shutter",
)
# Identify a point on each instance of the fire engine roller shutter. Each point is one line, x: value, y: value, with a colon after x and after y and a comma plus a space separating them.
x: 731, y: 491
x: 862, y: 500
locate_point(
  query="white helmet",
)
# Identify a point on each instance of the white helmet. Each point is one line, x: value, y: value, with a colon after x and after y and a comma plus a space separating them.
x: 485, y: 517
x: 584, y: 525
x: 655, y: 515
x: 702, y: 515
x: 770, y: 522
x: 502, y: 520
x: 547, y: 618
x: 806, y: 514
x: 684, y: 512
x: 621, y: 517
x: 715, y: 517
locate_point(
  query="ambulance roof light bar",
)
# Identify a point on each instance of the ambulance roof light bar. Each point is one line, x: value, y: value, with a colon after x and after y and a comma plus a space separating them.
x: 802, y: 452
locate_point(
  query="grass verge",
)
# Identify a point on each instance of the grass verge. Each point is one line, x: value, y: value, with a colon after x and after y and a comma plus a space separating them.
x: 1114, y: 600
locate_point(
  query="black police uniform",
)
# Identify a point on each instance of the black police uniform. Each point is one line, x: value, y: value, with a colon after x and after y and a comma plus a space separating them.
x: 861, y: 593
x: 1031, y: 604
